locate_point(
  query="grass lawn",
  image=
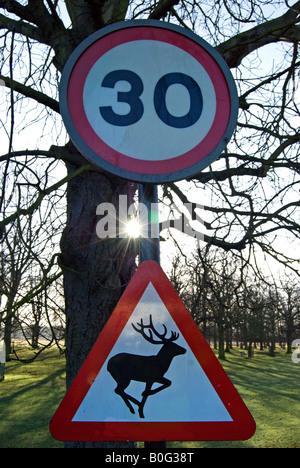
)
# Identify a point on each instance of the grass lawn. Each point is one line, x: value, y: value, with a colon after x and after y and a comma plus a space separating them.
x: 29, y: 396
x: 270, y: 387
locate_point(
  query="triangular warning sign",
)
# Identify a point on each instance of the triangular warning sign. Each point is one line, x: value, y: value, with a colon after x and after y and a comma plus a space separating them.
x: 151, y: 376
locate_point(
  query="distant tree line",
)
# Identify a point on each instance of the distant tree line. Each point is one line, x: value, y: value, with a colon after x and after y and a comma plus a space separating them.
x: 31, y: 297
x: 233, y: 306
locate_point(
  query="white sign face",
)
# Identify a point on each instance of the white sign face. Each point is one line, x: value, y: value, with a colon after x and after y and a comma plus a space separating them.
x: 150, y: 137
x: 148, y: 101
x: 178, y: 402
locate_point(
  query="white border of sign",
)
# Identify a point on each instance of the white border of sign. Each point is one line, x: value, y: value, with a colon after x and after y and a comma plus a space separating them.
x: 101, y: 153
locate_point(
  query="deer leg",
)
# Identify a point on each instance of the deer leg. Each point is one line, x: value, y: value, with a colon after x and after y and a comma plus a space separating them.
x: 165, y: 384
x: 120, y: 391
x: 145, y: 395
x: 147, y: 392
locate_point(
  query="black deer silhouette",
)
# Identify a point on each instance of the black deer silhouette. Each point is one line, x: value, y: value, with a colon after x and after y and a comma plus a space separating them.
x: 125, y: 367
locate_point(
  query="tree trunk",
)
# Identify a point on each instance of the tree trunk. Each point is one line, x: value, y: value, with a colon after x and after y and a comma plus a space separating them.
x: 96, y: 271
x: 250, y: 349
x: 221, y: 340
x: 8, y: 326
x: 7, y: 337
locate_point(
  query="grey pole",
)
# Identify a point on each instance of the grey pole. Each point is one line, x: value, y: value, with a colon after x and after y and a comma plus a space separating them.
x: 149, y: 246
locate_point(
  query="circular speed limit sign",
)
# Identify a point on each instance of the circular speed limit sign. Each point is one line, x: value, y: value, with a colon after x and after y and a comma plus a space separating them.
x: 148, y: 101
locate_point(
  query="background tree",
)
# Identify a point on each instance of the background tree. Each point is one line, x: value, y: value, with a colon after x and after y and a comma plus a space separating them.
x: 289, y: 309
x: 232, y: 306
x: 253, y: 187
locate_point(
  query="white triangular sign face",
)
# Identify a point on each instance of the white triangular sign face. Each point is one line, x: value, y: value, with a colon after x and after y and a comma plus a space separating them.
x: 151, y: 376
x: 178, y: 402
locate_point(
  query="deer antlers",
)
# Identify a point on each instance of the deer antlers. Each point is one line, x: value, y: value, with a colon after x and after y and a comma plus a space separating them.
x: 162, y: 336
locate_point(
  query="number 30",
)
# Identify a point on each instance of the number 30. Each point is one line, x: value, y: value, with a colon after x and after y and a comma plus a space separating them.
x: 132, y: 97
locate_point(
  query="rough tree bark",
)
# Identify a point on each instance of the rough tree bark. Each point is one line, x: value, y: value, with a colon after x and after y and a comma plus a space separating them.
x: 96, y: 271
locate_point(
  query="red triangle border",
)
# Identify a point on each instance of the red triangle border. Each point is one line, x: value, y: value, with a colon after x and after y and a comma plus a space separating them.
x: 62, y: 427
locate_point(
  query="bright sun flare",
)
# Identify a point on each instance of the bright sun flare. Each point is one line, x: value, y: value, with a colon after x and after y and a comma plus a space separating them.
x: 133, y: 228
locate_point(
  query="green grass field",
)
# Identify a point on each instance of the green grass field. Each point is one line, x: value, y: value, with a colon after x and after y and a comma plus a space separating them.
x: 270, y: 387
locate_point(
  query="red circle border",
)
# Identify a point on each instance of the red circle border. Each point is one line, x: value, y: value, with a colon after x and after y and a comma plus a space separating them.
x: 101, y: 46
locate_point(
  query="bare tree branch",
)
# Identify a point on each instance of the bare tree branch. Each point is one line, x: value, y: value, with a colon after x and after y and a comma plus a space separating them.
x: 162, y: 9
x: 30, y: 210
x: 30, y: 92
x: 283, y: 28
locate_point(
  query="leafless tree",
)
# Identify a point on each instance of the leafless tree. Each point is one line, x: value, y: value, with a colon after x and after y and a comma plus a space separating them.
x: 253, y: 185
x: 289, y: 309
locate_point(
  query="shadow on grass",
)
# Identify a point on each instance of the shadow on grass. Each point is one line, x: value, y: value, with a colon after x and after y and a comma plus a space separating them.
x: 270, y: 388
x: 27, y: 403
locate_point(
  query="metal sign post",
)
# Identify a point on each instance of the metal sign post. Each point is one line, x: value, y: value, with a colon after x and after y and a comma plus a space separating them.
x: 149, y: 247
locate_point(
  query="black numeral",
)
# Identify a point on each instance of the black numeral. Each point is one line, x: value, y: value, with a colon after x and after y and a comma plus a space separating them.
x: 196, y: 101
x: 132, y: 97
